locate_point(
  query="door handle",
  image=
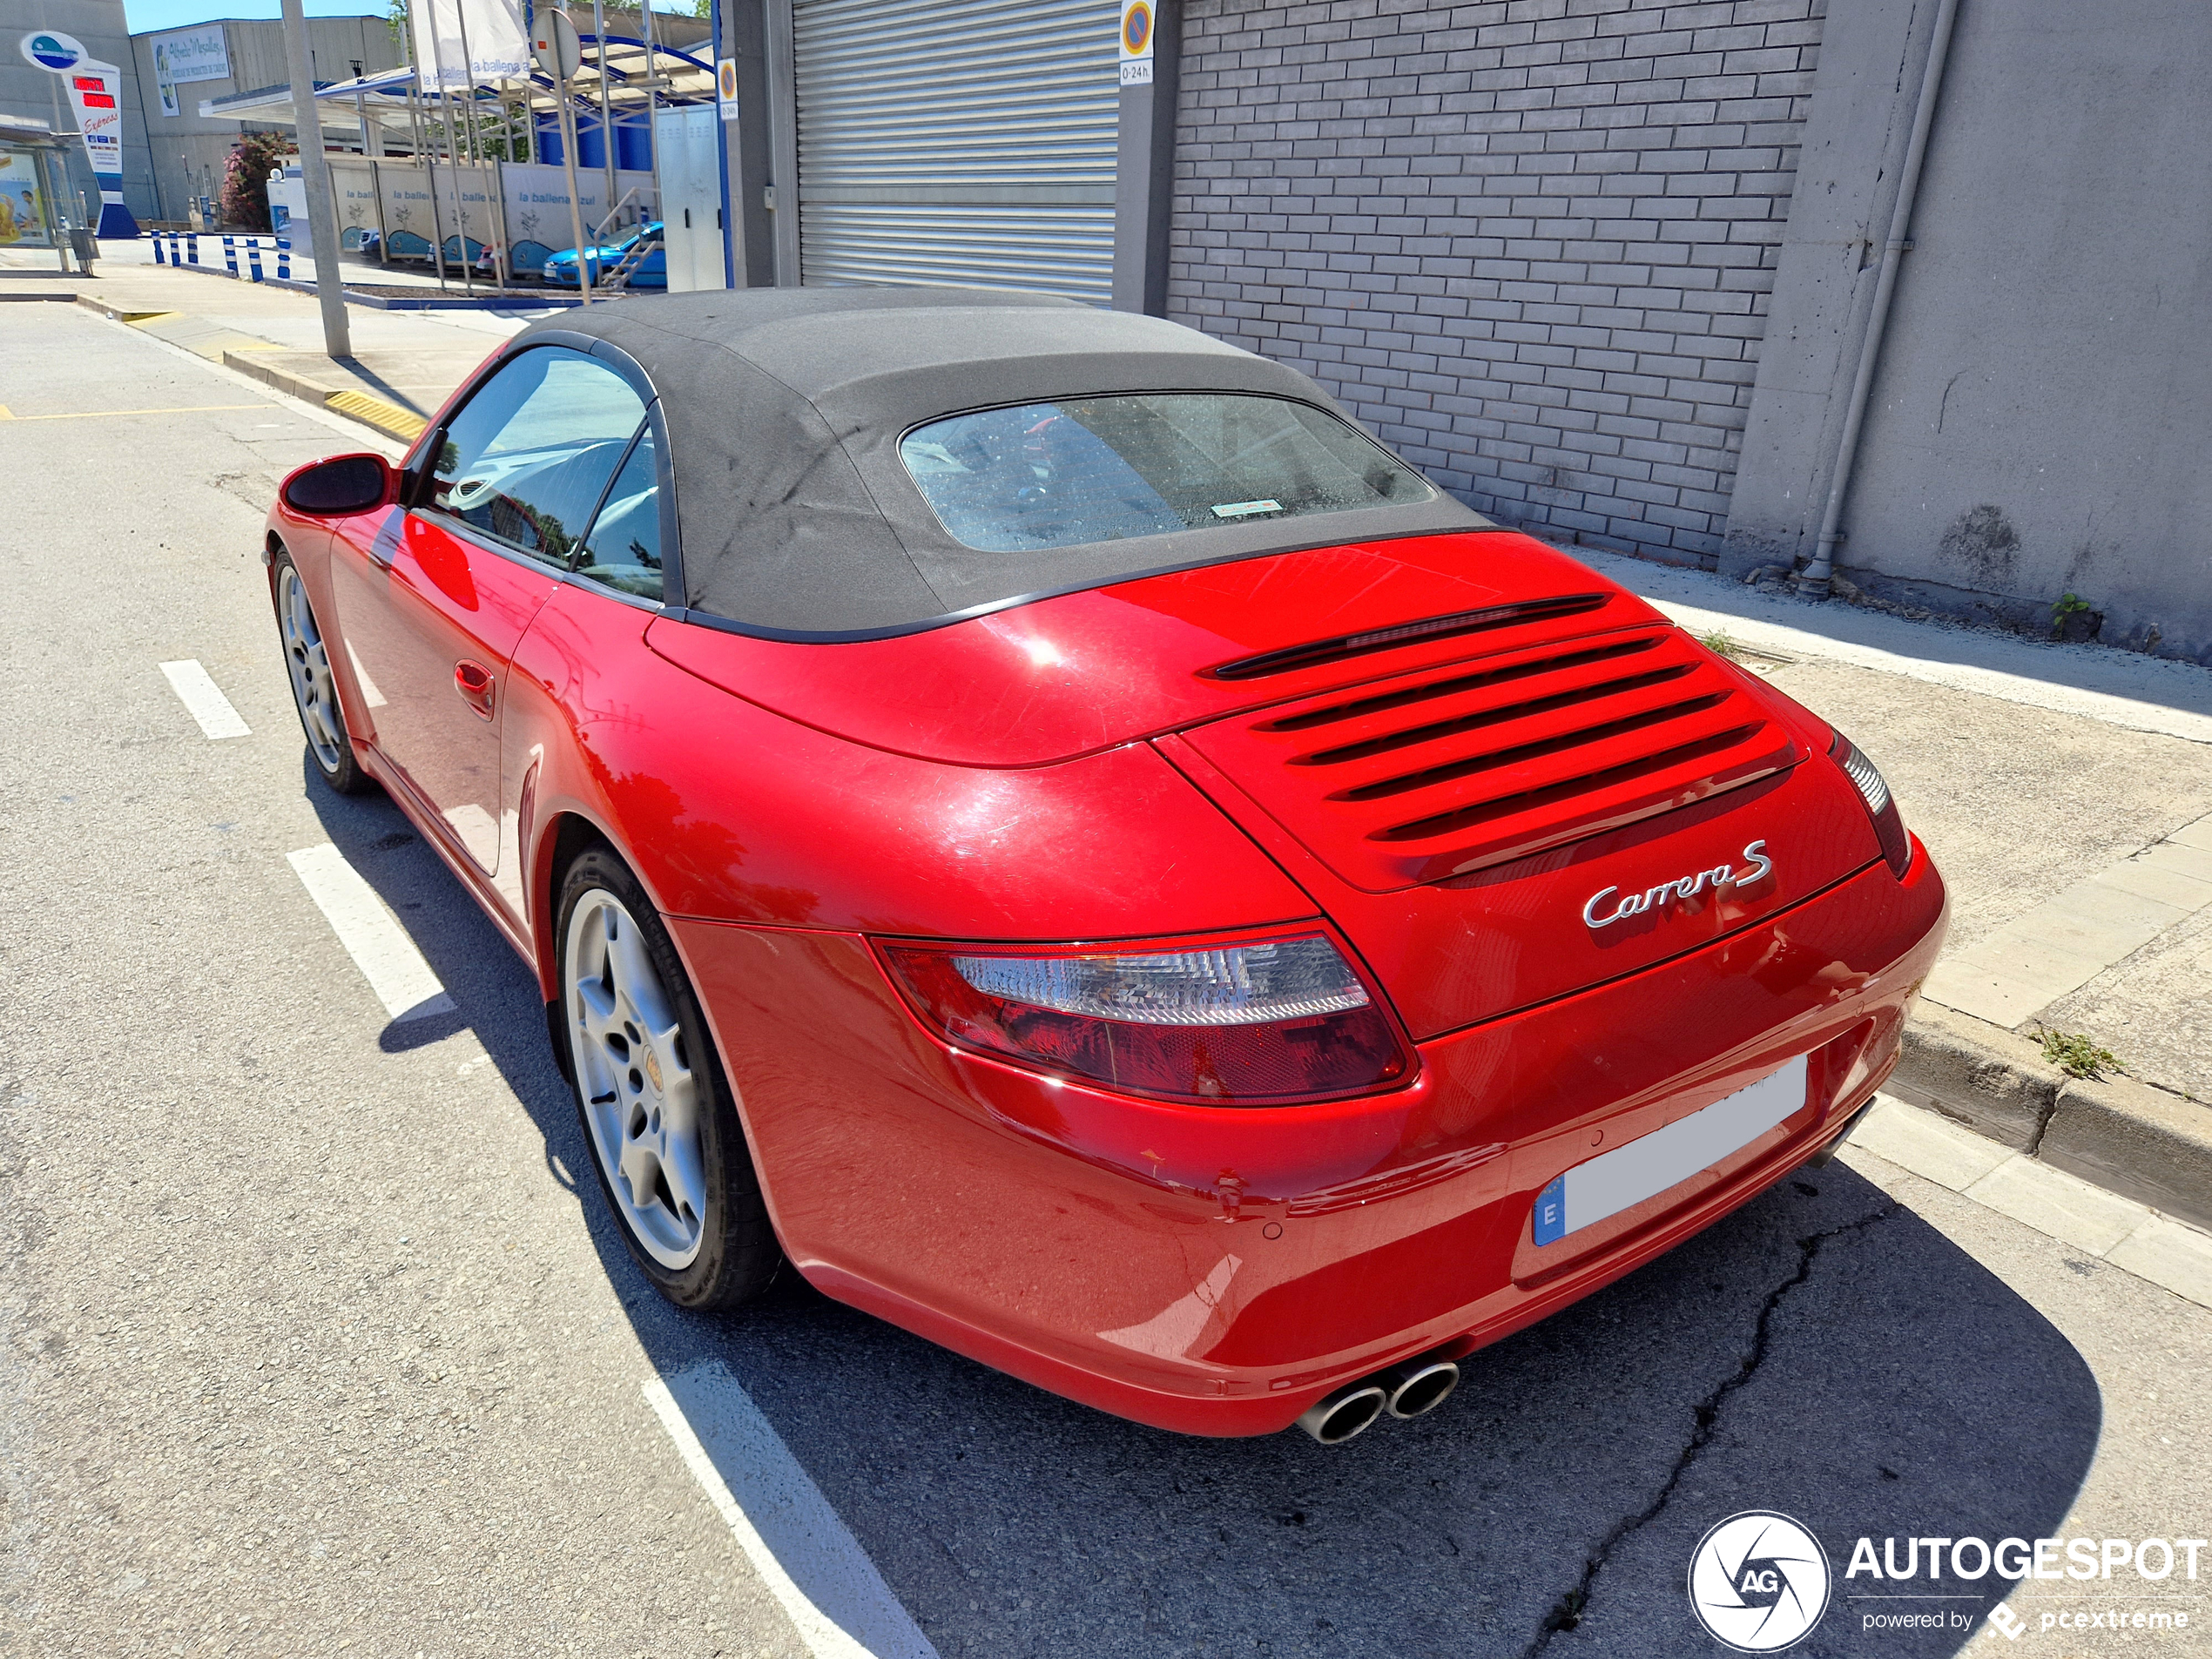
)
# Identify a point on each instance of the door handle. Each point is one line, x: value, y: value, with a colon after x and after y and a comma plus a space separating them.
x: 477, y: 688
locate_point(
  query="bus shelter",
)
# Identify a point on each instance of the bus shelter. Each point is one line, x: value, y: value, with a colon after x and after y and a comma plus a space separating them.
x: 30, y: 175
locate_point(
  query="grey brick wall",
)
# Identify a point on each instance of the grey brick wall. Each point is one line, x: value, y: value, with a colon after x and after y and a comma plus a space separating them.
x: 1530, y: 242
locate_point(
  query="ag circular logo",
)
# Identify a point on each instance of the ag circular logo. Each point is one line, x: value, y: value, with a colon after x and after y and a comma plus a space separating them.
x: 1758, y: 1582
x: 53, y: 50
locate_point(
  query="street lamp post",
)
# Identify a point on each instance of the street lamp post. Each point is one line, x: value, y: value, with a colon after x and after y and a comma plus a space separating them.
x: 315, y: 173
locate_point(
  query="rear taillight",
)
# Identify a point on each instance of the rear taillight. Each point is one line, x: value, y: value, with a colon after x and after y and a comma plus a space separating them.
x: 1889, y: 829
x: 1250, y: 1023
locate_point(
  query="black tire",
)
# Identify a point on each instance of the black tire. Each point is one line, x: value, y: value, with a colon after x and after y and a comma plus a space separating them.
x: 737, y: 1255
x: 334, y: 761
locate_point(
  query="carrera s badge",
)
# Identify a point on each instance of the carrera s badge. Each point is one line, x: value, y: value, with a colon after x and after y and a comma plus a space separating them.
x: 1719, y: 877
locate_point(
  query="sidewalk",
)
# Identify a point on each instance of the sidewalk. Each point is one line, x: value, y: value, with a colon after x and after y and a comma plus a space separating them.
x: 404, y: 365
x: 2066, y: 790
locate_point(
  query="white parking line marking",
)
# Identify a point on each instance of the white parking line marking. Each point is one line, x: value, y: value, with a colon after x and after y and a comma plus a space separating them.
x: 204, y: 700
x: 372, y: 936
x: 802, y: 1551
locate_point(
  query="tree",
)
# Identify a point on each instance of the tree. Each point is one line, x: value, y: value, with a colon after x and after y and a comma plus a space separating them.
x: 245, y: 200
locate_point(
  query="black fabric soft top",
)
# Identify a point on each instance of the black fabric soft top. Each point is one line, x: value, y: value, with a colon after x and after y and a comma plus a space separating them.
x: 785, y: 407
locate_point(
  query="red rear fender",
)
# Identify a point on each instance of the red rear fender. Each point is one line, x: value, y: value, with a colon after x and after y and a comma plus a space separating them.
x: 733, y: 813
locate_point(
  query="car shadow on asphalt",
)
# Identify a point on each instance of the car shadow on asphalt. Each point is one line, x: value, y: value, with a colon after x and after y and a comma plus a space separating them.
x: 1823, y: 1352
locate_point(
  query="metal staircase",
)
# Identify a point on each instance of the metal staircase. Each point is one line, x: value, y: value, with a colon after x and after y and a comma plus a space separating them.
x: 616, y: 277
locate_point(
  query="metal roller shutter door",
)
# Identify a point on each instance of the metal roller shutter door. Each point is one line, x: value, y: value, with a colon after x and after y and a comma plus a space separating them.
x: 957, y: 141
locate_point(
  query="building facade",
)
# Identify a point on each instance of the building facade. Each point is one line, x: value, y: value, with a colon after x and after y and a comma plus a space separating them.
x: 1606, y: 269
x: 1532, y: 247
x: 187, y: 151
x: 29, y: 91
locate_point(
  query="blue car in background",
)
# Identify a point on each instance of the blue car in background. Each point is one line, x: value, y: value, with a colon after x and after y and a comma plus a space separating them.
x: 651, y: 272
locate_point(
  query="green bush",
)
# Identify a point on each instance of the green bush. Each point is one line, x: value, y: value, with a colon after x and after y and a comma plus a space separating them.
x: 244, y: 199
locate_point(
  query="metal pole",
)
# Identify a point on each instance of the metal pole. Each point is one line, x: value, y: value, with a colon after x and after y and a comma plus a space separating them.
x: 42, y: 166
x: 470, y: 122
x: 606, y: 110
x: 424, y: 157
x: 61, y: 195
x: 427, y: 154
x: 376, y: 194
x: 652, y: 119
x: 315, y: 173
x: 475, y: 147
x: 576, y: 196
x: 1813, y: 580
x: 453, y: 160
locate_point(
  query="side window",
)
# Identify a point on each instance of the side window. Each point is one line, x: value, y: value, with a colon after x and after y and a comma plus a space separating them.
x: 624, y: 548
x: 526, y: 458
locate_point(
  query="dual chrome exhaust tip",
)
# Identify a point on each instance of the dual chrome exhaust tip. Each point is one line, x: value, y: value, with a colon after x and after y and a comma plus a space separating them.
x: 1410, y: 1388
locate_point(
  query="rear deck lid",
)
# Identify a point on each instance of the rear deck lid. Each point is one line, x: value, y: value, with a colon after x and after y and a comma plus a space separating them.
x: 1444, y: 771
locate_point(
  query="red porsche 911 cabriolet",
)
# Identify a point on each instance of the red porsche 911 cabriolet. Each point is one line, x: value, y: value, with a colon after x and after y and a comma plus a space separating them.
x: 1031, y: 816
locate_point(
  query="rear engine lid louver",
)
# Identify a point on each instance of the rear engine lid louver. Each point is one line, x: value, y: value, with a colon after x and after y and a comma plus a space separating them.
x: 1448, y: 771
x: 1346, y: 647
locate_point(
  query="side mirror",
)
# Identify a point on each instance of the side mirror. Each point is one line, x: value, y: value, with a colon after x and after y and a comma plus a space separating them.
x: 335, y: 488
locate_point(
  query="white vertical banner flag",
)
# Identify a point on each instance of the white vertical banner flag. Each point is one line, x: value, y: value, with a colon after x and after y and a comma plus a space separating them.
x: 498, y: 49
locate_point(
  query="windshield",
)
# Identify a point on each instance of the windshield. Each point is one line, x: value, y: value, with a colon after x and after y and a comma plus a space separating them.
x: 1103, y: 468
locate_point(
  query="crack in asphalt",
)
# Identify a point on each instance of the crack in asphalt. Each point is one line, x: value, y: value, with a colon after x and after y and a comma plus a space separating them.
x: 1566, y: 1612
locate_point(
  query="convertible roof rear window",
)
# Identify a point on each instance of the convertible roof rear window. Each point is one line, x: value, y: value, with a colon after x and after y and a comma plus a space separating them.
x: 1105, y: 469
x: 849, y: 462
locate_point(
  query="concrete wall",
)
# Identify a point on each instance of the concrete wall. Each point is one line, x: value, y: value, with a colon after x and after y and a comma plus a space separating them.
x: 2040, y: 418
x: 1529, y: 241
x: 26, y: 90
x: 185, y: 149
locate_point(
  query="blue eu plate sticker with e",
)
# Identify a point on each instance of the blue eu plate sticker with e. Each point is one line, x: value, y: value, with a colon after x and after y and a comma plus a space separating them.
x: 1551, y: 1212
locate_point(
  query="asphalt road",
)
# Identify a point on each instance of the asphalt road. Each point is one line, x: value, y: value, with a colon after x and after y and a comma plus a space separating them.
x: 312, y: 1342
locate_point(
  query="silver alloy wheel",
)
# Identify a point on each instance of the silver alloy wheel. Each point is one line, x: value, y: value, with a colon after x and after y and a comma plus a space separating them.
x: 309, y: 660
x: 641, y: 1098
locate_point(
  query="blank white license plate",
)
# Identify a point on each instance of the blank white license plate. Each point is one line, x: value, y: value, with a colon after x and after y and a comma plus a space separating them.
x: 1646, y: 1167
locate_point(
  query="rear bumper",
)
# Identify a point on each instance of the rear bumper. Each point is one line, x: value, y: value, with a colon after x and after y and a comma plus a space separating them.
x: 1213, y: 1271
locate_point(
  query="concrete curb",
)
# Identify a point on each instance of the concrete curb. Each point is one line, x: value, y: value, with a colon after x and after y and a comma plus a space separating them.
x: 116, y: 313
x: 388, y: 419
x: 2122, y: 1134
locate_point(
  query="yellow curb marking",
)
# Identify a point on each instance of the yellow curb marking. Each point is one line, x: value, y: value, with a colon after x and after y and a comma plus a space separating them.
x: 117, y: 313
x: 373, y: 411
x: 96, y: 415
